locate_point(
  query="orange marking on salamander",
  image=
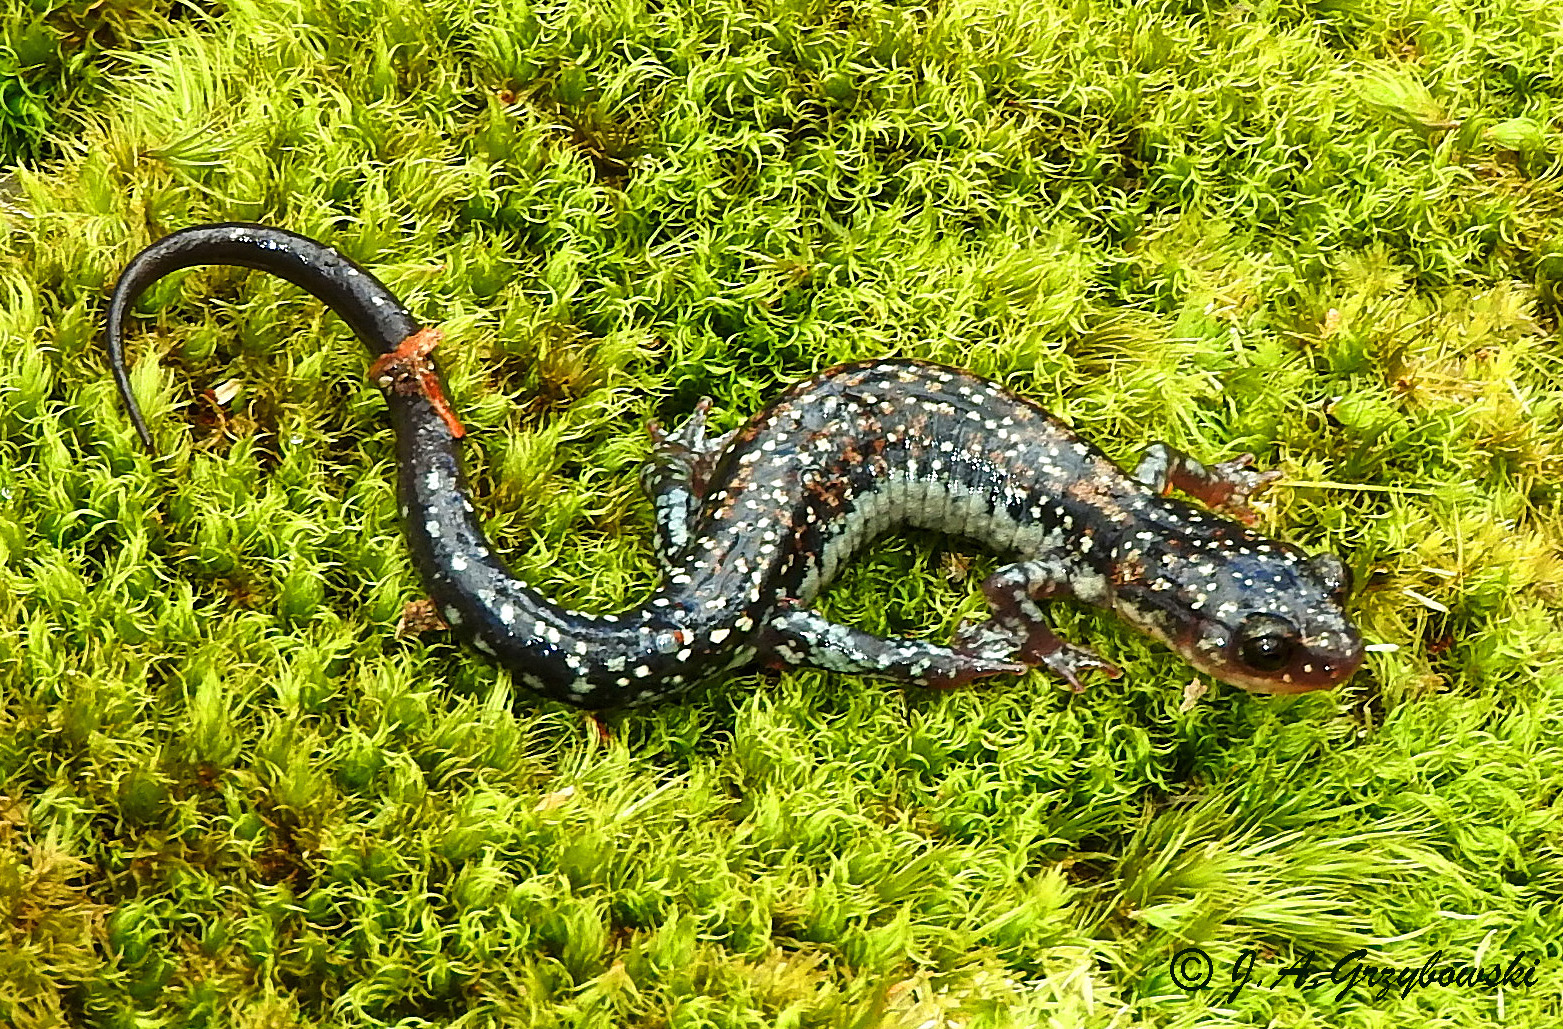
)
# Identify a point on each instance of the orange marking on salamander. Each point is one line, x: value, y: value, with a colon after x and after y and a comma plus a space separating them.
x: 408, y: 370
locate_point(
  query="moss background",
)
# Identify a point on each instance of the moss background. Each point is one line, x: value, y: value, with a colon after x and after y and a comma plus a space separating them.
x: 1328, y: 232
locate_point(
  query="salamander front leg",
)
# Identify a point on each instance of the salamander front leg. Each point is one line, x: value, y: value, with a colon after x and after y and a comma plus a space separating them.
x: 1226, y: 486
x: 799, y: 637
x: 676, y: 477
x: 1015, y: 593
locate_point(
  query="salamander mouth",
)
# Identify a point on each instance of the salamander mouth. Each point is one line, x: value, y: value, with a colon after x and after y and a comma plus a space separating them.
x: 1320, y: 662
x: 1321, y: 665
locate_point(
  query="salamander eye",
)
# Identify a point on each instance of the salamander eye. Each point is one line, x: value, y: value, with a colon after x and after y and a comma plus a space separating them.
x: 1332, y: 574
x: 1266, y: 642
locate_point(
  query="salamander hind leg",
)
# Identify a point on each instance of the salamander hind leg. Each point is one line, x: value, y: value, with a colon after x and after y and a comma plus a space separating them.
x: 799, y: 637
x: 675, y: 478
x: 1015, y: 593
x: 1226, y: 486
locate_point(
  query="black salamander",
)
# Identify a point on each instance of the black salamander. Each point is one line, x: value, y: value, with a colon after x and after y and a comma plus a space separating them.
x: 752, y: 525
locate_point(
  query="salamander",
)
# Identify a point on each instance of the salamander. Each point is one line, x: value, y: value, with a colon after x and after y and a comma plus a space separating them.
x: 750, y: 526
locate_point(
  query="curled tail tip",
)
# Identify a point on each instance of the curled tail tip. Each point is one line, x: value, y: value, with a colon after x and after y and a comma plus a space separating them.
x: 133, y: 409
x: 113, y: 343
x: 143, y: 432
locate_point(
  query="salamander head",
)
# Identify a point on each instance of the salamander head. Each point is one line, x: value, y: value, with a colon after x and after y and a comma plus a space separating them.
x: 1250, y: 611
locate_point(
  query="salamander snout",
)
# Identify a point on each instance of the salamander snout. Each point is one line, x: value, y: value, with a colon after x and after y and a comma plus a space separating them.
x: 1299, y: 639
x: 1270, y: 654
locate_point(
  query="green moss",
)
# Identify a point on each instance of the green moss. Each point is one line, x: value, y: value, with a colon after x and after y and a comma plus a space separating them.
x: 230, y: 795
